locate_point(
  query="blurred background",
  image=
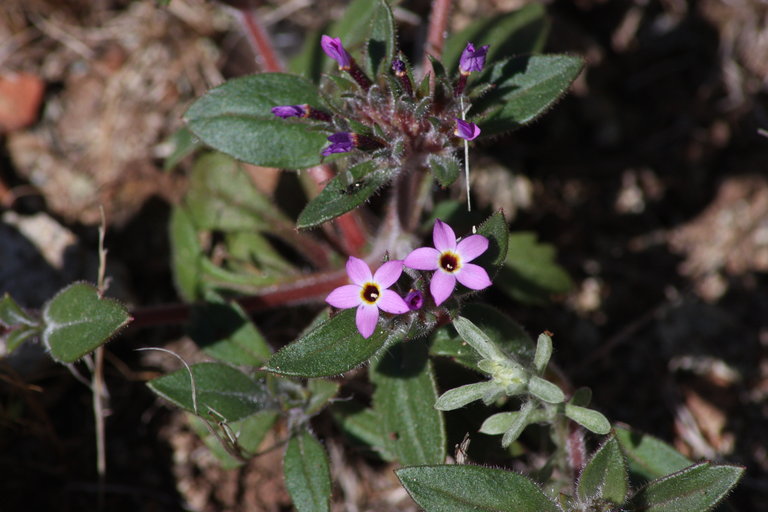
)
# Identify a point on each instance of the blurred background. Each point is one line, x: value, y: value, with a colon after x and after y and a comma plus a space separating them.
x: 649, y: 181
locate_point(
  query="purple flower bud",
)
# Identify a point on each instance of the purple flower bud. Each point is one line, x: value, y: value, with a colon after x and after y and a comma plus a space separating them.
x: 466, y: 130
x: 286, y: 111
x: 471, y: 59
x: 341, y: 142
x: 398, y: 67
x: 414, y: 300
x: 334, y: 49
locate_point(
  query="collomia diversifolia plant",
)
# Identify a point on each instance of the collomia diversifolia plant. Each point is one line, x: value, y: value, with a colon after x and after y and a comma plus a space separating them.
x: 387, y: 252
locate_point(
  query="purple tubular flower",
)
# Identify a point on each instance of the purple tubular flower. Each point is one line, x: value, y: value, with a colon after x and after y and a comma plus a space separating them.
x: 341, y: 142
x: 466, y: 130
x: 414, y: 300
x: 286, y: 111
x: 334, y: 49
x: 398, y: 67
x: 451, y: 262
x: 368, y: 293
x: 471, y: 59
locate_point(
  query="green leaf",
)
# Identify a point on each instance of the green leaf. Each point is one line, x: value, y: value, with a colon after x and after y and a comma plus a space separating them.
x: 249, y: 433
x: 545, y: 390
x: 495, y: 230
x: 236, y: 118
x: 648, y: 456
x: 459, y: 397
x: 498, y: 423
x: 334, y: 347
x: 362, y: 424
x: 11, y: 314
x: 222, y: 196
x: 77, y: 321
x: 345, y: 192
x: 445, y: 168
x: 697, y: 488
x: 321, y: 392
x: 381, y: 43
x: 183, y: 143
x: 307, y: 474
x: 588, y: 418
x: 543, y: 353
x: 505, y: 333
x: 530, y: 273
x: 404, y: 400
x: 605, y: 475
x: 518, y: 425
x: 514, y: 33
x: 473, y: 335
x: 186, y: 254
x: 465, y: 488
x: 224, y: 331
x: 222, y: 393
x: 18, y: 335
x: 525, y: 87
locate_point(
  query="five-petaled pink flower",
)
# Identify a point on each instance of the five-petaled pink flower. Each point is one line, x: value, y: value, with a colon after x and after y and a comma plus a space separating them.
x: 369, y: 293
x: 450, y: 260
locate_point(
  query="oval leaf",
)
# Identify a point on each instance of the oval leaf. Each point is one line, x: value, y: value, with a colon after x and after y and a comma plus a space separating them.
x: 236, y: 118
x: 605, y: 475
x: 545, y: 390
x: 333, y: 347
x: 495, y: 229
x: 381, y: 44
x: 461, y: 396
x: 588, y: 418
x: 464, y: 488
x: 307, y: 474
x: 525, y: 87
x: 77, y: 321
x: 649, y: 456
x: 699, y: 487
x: 362, y: 424
x: 404, y: 400
x: 345, y: 192
x: 221, y: 392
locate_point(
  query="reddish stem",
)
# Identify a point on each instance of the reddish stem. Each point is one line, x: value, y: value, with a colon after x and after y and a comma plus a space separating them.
x: 438, y: 25
x: 260, y: 40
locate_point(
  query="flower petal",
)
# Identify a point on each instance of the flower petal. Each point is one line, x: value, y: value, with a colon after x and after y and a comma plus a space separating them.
x: 443, y: 236
x: 343, y: 297
x: 391, y: 302
x: 366, y: 319
x: 388, y: 273
x: 473, y: 277
x: 441, y: 286
x: 472, y: 247
x: 423, y: 258
x: 358, y: 271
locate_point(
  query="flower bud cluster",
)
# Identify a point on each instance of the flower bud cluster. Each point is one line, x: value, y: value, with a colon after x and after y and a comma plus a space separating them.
x: 387, y: 118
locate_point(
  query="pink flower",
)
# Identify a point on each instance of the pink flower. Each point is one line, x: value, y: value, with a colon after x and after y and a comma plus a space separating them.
x: 451, y: 262
x: 369, y: 293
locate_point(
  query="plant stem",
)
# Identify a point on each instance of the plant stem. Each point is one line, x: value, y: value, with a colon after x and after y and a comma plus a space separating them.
x: 260, y: 40
x: 438, y: 24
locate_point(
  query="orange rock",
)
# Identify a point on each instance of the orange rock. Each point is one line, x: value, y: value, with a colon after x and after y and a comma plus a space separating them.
x: 20, y: 97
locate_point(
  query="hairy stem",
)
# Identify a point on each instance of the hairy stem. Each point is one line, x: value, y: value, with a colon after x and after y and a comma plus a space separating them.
x: 259, y: 40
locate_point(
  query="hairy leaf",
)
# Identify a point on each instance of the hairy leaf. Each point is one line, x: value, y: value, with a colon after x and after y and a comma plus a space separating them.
x: 649, y: 456
x: 221, y: 393
x: 605, y: 475
x: 77, y: 320
x: 524, y: 88
x: 404, y: 400
x: 466, y: 488
x: 333, y: 347
x: 307, y: 474
x: 236, y: 118
x: 381, y: 42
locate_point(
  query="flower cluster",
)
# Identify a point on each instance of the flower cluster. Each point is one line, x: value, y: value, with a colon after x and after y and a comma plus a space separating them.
x: 408, y: 134
x: 449, y: 259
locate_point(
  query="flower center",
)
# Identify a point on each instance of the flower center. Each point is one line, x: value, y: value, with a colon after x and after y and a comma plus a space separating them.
x: 370, y: 293
x: 450, y: 262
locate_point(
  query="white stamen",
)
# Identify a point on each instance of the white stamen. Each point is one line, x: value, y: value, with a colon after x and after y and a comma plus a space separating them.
x: 466, y: 153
